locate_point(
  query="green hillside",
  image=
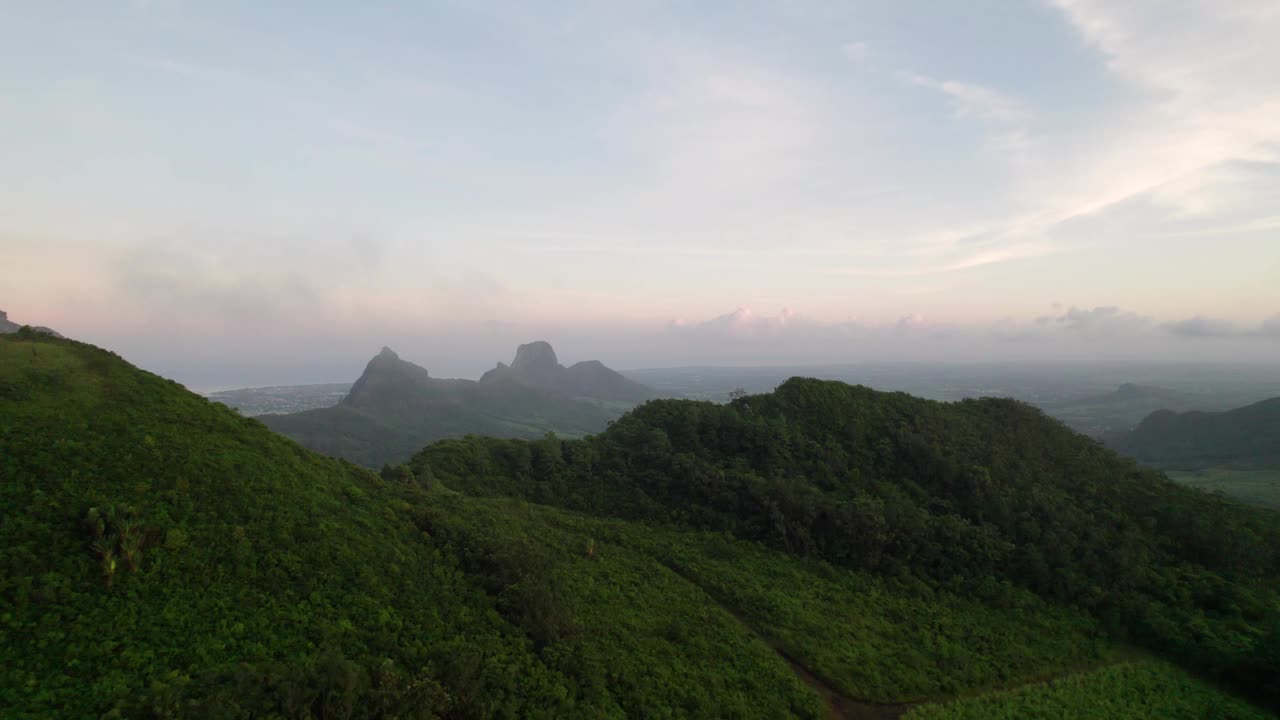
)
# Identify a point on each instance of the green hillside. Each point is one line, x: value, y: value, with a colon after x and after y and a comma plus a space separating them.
x: 1257, y: 487
x: 966, y: 496
x: 165, y: 557
x: 1246, y: 438
x: 261, y: 576
x: 234, y: 574
x: 1104, y: 694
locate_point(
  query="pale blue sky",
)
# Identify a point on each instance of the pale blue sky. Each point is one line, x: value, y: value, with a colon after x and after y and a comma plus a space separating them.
x: 180, y: 180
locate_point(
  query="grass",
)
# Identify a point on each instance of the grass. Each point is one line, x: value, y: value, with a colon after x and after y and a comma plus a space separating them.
x: 871, y: 639
x: 878, y: 640
x: 274, y: 582
x: 1256, y: 487
x: 1143, y: 690
x: 656, y: 644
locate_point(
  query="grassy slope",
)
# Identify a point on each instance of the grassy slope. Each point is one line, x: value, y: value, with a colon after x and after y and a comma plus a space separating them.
x: 257, y: 552
x: 1257, y: 487
x: 1148, y: 690
x: 973, y: 496
x: 275, y: 580
x: 871, y: 638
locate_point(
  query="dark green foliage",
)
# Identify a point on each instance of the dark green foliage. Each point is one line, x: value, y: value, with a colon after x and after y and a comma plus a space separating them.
x: 398, y: 474
x: 114, y: 533
x: 278, y: 583
x: 255, y: 579
x: 565, y: 579
x: 1256, y: 487
x: 1246, y: 438
x: 1136, y: 691
x: 959, y: 495
x: 251, y: 577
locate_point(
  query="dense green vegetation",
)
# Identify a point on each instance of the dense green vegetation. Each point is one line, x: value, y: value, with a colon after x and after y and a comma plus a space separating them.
x: 1246, y: 438
x: 395, y: 407
x: 871, y: 638
x: 606, y: 612
x: 969, y: 496
x: 164, y: 556
x: 265, y: 578
x: 1138, y: 691
x: 1257, y: 487
x: 161, y: 556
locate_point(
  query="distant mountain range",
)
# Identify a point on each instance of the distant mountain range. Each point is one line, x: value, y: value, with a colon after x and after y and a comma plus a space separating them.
x: 1246, y: 438
x: 536, y: 365
x: 8, y: 326
x: 396, y: 407
x: 1129, y: 393
x: 1123, y: 408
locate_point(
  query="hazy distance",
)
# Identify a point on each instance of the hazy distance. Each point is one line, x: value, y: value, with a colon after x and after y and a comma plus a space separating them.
x: 234, y: 195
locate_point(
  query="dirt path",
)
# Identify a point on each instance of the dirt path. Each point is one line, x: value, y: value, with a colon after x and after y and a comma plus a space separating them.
x: 839, y: 705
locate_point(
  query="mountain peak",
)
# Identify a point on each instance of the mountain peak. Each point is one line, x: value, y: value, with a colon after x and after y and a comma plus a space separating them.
x: 384, y: 378
x: 536, y: 357
x: 536, y: 365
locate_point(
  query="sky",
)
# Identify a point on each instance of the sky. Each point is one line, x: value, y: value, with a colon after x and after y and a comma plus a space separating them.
x: 235, y: 193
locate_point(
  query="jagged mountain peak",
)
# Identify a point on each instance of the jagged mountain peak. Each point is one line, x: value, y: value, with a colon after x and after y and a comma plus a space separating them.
x: 382, y: 378
x: 537, y: 356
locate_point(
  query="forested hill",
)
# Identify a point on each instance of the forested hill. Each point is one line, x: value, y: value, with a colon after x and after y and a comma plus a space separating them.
x: 1246, y: 438
x: 163, y: 557
x: 965, y: 494
x: 396, y: 407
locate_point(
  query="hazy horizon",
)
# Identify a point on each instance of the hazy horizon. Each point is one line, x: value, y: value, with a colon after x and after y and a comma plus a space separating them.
x: 234, y: 195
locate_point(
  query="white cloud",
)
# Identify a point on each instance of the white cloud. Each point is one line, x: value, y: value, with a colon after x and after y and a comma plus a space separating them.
x: 1108, y: 320
x: 1207, y: 95
x: 1201, y: 326
x: 743, y: 323
x: 1075, y: 333
x: 973, y: 100
x: 1202, y: 104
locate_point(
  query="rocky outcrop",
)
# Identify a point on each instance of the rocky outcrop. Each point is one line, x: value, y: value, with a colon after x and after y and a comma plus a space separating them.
x: 536, y: 365
x: 8, y: 326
